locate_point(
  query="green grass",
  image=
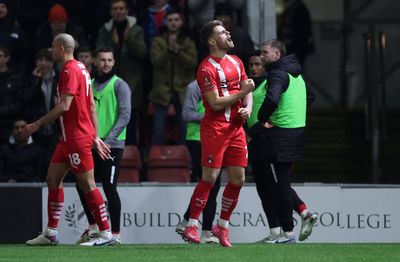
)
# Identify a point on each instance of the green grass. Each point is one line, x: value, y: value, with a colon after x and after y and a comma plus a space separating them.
x: 209, y: 253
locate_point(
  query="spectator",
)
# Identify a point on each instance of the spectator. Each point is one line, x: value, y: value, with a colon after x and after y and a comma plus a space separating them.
x: 21, y: 158
x: 14, y: 39
x: 85, y: 55
x: 126, y: 38
x: 173, y: 55
x: 154, y: 19
x: 40, y: 95
x: 58, y: 23
x: 294, y: 29
x: 10, y: 88
x: 244, y: 46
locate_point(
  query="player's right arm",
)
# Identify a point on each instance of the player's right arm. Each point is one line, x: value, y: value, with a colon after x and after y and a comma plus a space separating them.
x: 55, y: 113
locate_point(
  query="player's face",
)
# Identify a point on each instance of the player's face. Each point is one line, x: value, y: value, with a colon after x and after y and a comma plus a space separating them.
x: 119, y: 11
x: 269, y: 54
x: 105, y: 62
x: 256, y: 67
x: 174, y: 22
x: 86, y: 58
x: 222, y: 38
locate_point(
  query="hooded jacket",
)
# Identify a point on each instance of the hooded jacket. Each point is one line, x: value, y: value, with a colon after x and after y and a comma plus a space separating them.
x: 279, y: 144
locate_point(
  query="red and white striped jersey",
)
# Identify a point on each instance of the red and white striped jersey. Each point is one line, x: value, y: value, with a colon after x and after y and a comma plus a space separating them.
x: 225, y: 76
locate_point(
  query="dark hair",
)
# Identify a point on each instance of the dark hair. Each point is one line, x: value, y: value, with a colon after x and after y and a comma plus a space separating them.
x: 117, y: 1
x: 255, y: 53
x: 5, y: 50
x: 275, y: 43
x: 84, y: 49
x: 104, y: 49
x: 44, y: 53
x: 173, y: 11
x: 208, y: 29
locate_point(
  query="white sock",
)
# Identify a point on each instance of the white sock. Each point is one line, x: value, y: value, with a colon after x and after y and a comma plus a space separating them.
x: 275, y: 231
x: 192, y: 222
x: 304, y: 213
x: 106, y: 234
x: 223, y: 223
x: 51, y: 232
x: 93, y: 228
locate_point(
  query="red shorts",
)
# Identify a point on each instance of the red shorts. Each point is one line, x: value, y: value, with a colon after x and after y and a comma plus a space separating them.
x: 223, y: 148
x: 77, y: 154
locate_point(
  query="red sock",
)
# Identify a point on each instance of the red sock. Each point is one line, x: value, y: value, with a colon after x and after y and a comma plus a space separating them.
x: 55, y: 202
x: 199, y: 198
x: 230, y: 198
x: 301, y: 208
x: 96, y: 205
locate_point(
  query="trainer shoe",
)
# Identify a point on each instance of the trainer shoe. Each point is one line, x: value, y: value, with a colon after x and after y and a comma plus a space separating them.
x: 307, y: 223
x: 286, y: 238
x: 87, y: 236
x: 43, y: 240
x: 181, y: 227
x: 271, y: 239
x: 222, y: 234
x: 208, y: 237
x: 191, y: 235
x: 100, y: 242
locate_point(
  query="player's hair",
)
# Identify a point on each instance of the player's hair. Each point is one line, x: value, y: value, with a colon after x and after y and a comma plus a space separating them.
x: 278, y: 44
x: 67, y: 41
x: 104, y: 49
x: 117, y: 1
x: 208, y: 29
x: 5, y: 50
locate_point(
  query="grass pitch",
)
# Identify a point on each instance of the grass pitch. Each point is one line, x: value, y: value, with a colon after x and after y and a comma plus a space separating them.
x: 209, y: 253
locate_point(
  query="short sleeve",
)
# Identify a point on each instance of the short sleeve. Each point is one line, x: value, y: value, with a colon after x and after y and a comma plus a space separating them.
x: 206, y: 80
x: 69, y: 82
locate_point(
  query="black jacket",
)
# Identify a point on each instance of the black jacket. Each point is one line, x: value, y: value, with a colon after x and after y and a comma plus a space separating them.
x: 278, y: 144
x: 24, y: 164
x: 10, y: 103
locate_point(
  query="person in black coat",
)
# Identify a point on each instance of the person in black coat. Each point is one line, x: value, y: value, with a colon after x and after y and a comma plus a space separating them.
x: 10, y: 94
x: 21, y: 159
x: 39, y: 95
x: 283, y: 118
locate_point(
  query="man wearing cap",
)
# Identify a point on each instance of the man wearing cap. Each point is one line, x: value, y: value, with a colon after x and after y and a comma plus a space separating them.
x: 58, y: 23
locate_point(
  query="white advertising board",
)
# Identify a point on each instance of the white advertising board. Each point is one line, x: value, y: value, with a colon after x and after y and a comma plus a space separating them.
x: 150, y: 214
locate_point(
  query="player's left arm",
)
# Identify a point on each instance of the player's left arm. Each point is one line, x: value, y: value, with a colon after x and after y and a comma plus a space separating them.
x: 55, y: 113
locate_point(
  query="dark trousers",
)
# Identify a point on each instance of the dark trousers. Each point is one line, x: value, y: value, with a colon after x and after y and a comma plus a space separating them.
x: 278, y: 198
x: 107, y: 172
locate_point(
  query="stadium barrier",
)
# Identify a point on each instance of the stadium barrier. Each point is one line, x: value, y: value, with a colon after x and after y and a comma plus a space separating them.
x: 150, y: 212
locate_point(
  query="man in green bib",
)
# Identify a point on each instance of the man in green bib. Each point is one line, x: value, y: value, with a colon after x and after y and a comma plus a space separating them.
x: 283, y: 114
x: 112, y: 96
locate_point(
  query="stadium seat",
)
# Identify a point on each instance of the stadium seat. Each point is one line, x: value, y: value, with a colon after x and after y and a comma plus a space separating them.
x: 169, y: 164
x: 130, y: 165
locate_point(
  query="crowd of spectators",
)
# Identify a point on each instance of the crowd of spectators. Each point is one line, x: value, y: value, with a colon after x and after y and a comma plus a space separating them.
x: 157, y: 60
